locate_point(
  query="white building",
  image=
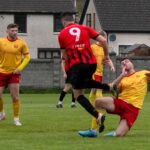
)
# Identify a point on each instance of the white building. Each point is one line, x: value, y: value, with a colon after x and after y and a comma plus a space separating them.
x: 39, y: 23
x: 127, y: 22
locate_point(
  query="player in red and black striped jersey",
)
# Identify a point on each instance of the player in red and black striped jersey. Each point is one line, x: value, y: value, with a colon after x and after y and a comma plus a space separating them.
x: 74, y: 42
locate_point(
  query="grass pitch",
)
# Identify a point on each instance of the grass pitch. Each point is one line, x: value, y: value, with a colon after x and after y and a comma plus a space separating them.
x: 46, y: 127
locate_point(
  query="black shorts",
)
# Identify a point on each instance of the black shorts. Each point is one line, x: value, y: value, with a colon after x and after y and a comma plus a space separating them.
x: 81, y: 74
x: 68, y: 80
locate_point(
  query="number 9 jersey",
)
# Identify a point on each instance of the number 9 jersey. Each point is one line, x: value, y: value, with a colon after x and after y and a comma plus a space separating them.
x: 75, y: 39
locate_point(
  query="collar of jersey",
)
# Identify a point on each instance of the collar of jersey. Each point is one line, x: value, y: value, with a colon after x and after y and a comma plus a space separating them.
x: 11, y: 40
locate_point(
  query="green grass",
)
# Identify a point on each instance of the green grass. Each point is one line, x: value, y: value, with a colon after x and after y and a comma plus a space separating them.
x: 47, y: 128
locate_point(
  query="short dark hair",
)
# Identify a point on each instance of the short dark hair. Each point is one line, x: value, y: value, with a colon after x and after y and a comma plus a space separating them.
x: 12, y: 25
x: 67, y: 16
x: 125, y: 57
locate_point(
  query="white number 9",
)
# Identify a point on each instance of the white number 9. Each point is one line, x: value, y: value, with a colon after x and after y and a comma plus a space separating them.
x: 75, y: 32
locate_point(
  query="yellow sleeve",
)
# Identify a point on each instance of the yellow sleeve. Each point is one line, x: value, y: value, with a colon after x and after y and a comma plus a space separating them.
x: 24, y: 62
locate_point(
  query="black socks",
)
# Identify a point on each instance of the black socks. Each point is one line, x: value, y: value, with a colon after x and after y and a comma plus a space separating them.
x: 84, y: 102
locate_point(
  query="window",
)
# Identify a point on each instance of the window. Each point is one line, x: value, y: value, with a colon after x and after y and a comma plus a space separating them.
x: 48, y: 53
x: 122, y: 49
x: 88, y: 20
x: 21, y: 20
x: 57, y: 23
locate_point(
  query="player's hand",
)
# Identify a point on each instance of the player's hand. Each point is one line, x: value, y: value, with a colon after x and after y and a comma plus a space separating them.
x: 112, y: 69
x: 124, y: 72
x: 65, y: 75
x: 106, y: 59
x: 109, y: 62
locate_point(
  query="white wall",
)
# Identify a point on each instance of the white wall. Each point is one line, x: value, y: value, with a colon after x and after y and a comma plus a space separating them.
x: 128, y: 39
x: 39, y: 32
x: 4, y: 21
x: 91, y: 10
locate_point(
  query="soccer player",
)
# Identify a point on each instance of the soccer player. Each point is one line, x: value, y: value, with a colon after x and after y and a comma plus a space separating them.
x: 74, y: 42
x: 12, y: 49
x: 67, y: 87
x: 98, y: 52
x: 132, y: 86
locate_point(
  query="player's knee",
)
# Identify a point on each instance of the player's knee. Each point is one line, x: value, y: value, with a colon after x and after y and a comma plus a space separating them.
x: 15, y: 97
x: 98, y: 103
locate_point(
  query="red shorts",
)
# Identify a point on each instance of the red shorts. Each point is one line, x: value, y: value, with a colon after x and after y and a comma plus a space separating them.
x: 97, y: 78
x: 6, y: 79
x: 125, y: 111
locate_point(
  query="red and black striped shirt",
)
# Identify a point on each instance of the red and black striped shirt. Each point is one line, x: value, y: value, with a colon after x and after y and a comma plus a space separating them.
x: 75, y: 39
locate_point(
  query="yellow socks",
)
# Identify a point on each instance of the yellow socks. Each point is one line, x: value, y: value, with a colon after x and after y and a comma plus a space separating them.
x: 92, y: 98
x: 99, y: 93
x: 16, y: 108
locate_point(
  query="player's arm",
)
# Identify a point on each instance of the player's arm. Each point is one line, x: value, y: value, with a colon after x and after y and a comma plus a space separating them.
x: 64, y: 55
x: 110, y: 64
x: 23, y: 64
x: 103, y: 42
x: 63, y: 68
x: 119, y: 78
x: 26, y: 58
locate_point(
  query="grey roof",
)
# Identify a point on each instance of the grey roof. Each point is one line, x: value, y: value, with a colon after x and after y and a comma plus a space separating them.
x: 124, y: 15
x: 36, y: 6
x: 133, y: 47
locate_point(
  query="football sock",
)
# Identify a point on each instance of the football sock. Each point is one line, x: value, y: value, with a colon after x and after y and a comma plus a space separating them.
x: 16, y: 108
x: 84, y: 102
x: 94, y: 124
x: 62, y: 95
x: 112, y: 133
x: 1, y: 105
x: 73, y: 99
x: 59, y: 102
x: 99, y: 93
x: 98, y: 85
x: 92, y: 98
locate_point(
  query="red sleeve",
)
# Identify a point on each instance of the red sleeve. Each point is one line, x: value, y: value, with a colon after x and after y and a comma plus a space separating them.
x: 93, y: 34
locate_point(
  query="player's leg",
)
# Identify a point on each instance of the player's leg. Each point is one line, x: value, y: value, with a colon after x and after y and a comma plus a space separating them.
x: 14, y: 92
x: 84, y: 102
x: 2, y: 113
x: 3, y: 83
x: 93, y: 131
x: 92, y: 98
x: 121, y: 130
x: 67, y: 87
x: 128, y: 114
x: 94, y: 125
x: 73, y: 105
x: 81, y: 75
x: 106, y: 103
x: 95, y: 93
